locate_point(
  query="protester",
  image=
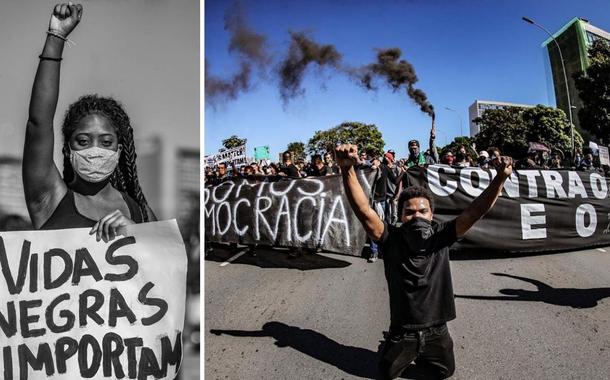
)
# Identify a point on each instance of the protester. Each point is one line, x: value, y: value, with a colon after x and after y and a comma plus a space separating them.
x: 483, y: 160
x: 391, y: 186
x: 318, y: 168
x: 416, y: 261
x: 288, y: 168
x: 100, y: 187
x: 330, y: 163
x: 587, y: 163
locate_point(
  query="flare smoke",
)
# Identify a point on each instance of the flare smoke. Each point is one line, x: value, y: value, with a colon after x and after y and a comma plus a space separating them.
x: 303, y: 52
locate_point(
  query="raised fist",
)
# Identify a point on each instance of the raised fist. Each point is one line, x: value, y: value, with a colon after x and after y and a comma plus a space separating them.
x: 346, y: 155
x: 504, y: 165
x: 65, y: 17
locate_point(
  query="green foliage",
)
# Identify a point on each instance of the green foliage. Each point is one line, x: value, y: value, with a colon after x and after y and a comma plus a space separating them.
x: 233, y: 142
x: 511, y: 128
x: 594, y: 92
x: 365, y: 136
x: 298, y: 150
x: 454, y: 146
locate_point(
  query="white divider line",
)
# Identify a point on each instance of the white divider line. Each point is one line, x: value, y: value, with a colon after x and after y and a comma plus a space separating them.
x: 601, y: 249
x: 235, y: 257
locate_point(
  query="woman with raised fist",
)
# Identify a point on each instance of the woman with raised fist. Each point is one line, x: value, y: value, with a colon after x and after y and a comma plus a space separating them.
x: 100, y: 187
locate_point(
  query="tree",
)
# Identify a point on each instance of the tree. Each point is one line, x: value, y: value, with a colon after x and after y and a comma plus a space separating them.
x: 298, y: 149
x: 511, y: 128
x: 456, y: 143
x: 233, y: 142
x: 365, y: 136
x: 594, y: 92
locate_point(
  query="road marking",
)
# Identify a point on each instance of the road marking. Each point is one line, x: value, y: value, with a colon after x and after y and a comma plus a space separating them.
x: 601, y: 249
x: 234, y: 258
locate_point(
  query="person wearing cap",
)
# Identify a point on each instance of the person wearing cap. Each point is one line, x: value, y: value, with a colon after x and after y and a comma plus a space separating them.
x: 448, y: 158
x: 483, y: 160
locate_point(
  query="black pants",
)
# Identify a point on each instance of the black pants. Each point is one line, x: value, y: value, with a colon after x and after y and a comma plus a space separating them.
x: 431, y: 348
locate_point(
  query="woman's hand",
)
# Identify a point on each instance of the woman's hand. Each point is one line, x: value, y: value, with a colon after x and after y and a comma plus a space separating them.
x: 65, y: 17
x: 109, y: 226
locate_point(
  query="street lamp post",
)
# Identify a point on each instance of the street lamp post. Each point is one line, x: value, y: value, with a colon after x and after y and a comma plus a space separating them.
x: 458, y: 115
x: 565, y: 77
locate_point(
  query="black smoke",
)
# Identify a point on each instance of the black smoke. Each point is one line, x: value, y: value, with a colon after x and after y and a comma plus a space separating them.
x: 303, y: 52
x: 397, y: 73
x: 250, y: 48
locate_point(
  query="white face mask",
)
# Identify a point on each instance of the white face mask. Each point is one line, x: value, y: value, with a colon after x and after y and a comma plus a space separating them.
x: 94, y: 164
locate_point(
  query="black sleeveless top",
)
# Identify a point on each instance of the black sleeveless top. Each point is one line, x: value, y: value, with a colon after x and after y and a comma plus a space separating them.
x: 67, y: 216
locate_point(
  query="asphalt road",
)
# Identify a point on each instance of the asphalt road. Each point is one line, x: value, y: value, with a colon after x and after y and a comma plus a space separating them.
x: 322, y: 316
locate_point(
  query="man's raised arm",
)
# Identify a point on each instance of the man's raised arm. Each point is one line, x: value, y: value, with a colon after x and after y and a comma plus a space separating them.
x: 484, y: 202
x: 347, y: 157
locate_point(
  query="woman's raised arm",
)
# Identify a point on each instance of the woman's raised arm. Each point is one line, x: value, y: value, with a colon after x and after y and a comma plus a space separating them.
x: 42, y: 182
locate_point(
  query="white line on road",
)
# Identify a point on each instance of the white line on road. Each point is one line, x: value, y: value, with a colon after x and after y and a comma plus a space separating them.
x: 234, y: 258
x: 601, y: 249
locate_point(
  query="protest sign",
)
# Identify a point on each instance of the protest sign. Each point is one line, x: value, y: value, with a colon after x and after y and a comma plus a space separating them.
x: 261, y: 153
x: 71, y: 307
x: 235, y: 156
x: 312, y: 212
x: 538, y: 211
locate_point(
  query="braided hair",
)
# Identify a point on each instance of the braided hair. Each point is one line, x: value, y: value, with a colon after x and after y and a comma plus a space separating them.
x: 125, y: 176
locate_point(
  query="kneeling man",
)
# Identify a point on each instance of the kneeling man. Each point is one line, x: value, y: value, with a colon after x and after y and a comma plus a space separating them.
x: 416, y: 261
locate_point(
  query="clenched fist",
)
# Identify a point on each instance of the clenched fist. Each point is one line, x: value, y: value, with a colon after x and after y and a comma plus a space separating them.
x: 65, y: 17
x: 347, y: 155
x: 504, y: 165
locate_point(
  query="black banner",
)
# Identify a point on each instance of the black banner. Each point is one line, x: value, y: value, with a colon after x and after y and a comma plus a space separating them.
x: 311, y: 212
x: 539, y: 210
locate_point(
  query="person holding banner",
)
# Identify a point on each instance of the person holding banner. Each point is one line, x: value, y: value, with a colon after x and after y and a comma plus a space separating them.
x: 100, y: 187
x: 416, y: 262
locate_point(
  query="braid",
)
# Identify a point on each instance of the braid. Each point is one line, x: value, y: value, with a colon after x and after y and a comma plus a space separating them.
x: 125, y: 176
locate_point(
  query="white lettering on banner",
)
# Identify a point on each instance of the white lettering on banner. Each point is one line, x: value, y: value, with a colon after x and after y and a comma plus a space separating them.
x: 434, y: 180
x: 320, y: 215
x: 226, y: 195
x: 278, y: 193
x: 511, y: 185
x: 296, y: 216
x: 210, y: 214
x: 245, y: 183
x: 531, y: 181
x: 599, y: 186
x: 553, y: 182
x: 466, y: 181
x: 575, y: 186
x: 228, y: 223
x: 581, y: 211
x: 258, y: 216
x: 528, y: 220
x: 240, y: 232
x: 342, y: 220
x: 311, y: 180
x: 284, y: 211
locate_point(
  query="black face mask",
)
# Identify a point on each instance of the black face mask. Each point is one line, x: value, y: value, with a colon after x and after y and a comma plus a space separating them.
x: 417, y: 234
x: 414, y: 151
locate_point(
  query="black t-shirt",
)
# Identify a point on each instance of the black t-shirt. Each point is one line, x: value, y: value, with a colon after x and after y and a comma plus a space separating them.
x: 290, y: 171
x: 421, y: 292
x: 314, y: 171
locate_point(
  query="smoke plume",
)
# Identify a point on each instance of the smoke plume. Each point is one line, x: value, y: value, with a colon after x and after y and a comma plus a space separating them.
x: 303, y: 52
x: 397, y: 73
x: 250, y: 48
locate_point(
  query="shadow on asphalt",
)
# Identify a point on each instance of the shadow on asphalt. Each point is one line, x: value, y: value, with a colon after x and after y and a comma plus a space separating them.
x: 267, y: 257
x: 575, y: 298
x: 485, y: 254
x: 355, y: 361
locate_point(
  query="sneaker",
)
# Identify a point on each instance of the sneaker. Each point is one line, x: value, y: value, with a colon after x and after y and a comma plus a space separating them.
x: 372, y: 259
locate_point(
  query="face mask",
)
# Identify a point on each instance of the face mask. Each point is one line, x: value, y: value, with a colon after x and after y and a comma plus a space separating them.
x: 414, y: 151
x: 94, y: 164
x: 417, y: 234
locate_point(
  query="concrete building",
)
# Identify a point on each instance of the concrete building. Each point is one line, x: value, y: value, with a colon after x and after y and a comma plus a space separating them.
x: 12, y: 199
x: 573, y: 38
x: 477, y: 108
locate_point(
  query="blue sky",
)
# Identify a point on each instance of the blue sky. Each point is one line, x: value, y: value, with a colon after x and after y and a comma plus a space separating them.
x: 461, y: 51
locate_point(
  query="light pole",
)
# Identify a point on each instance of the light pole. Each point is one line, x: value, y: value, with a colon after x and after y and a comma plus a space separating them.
x: 458, y: 115
x: 565, y: 77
